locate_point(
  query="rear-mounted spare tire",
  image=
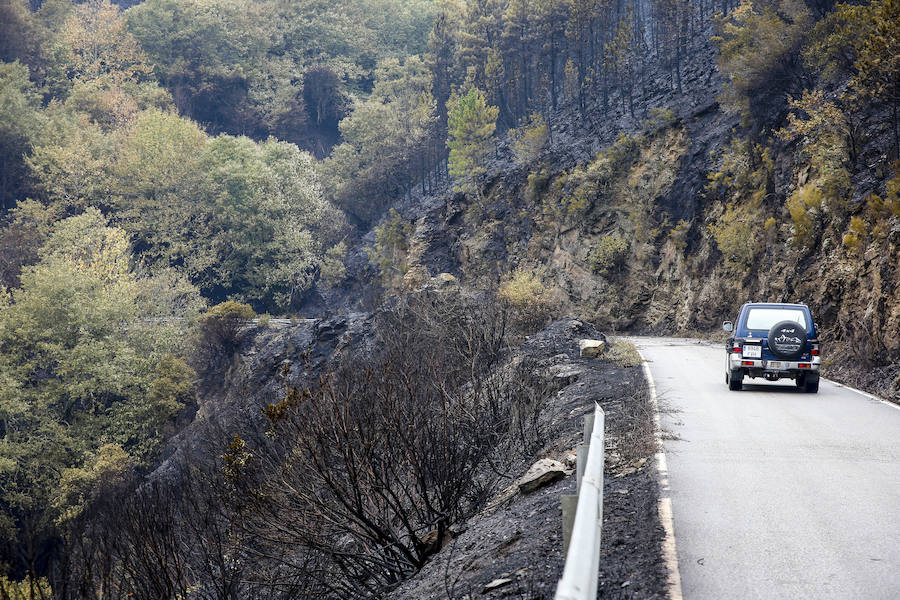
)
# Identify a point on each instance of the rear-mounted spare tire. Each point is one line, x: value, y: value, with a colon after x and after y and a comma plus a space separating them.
x: 787, y: 340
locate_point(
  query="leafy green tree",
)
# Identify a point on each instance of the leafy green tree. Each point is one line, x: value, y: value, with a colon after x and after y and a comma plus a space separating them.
x: 99, y: 46
x: 207, y: 54
x: 878, y: 63
x: 17, y: 31
x: 240, y: 218
x: 153, y: 176
x: 262, y: 224
x: 28, y: 37
x: 759, y: 52
x: 71, y: 160
x: 388, y: 141
x: 833, y: 44
x: 471, y: 123
x: 400, y: 27
x: 24, y: 231
x: 20, y: 119
x: 81, y: 361
x: 275, y: 68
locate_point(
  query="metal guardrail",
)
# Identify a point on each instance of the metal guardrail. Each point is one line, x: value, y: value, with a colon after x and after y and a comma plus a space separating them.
x: 579, y: 579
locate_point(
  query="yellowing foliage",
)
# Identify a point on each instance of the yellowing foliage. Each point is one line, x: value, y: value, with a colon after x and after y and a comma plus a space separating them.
x: 28, y: 589
x: 755, y: 41
x: 823, y: 130
x: 524, y: 289
x: 530, y: 139
x: 608, y: 257
x: 804, y: 206
x: 737, y: 234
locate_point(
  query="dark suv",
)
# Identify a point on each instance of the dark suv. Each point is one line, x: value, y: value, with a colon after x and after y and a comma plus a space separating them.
x: 773, y: 341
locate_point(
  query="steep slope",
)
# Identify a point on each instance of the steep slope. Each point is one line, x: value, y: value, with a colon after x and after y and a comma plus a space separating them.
x: 667, y: 221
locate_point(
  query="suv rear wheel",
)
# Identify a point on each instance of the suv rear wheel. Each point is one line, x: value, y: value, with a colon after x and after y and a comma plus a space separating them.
x: 807, y: 384
x: 735, y: 380
x: 811, y: 386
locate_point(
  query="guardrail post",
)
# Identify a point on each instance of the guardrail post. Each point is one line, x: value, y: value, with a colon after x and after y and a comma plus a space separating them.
x: 579, y: 580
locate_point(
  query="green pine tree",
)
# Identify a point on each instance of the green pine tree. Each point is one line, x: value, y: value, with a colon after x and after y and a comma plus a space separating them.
x: 471, y: 123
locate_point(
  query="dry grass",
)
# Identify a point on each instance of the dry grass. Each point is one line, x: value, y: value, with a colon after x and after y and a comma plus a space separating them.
x: 624, y: 354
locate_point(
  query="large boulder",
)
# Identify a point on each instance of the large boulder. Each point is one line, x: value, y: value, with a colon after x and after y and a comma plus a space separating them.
x: 591, y: 348
x: 541, y: 474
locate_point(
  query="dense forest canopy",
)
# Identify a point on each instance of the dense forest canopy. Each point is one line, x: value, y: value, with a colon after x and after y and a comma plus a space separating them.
x: 160, y: 157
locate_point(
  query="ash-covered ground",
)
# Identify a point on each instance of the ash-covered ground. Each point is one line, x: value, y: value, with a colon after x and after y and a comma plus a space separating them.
x: 516, y: 541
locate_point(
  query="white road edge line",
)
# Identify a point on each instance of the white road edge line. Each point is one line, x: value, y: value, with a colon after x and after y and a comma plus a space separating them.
x: 864, y: 394
x: 664, y: 505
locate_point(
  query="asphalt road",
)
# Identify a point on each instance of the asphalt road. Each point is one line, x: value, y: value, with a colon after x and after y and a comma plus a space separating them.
x: 776, y: 493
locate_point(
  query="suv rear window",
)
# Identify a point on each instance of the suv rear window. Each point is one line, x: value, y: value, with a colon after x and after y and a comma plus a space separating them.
x: 766, y: 318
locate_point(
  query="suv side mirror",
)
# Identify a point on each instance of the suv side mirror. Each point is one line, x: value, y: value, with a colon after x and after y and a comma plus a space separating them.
x: 728, y: 326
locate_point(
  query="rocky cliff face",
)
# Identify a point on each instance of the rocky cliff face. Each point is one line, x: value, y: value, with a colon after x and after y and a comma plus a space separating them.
x: 590, y: 188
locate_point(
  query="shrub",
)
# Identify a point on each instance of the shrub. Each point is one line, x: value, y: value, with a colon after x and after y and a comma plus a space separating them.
x: 735, y: 233
x: 530, y: 139
x: 857, y: 233
x: 527, y: 295
x: 537, y: 183
x: 679, y: 234
x: 745, y: 172
x: 218, y: 335
x: 624, y: 354
x: 802, y: 206
x: 372, y: 463
x: 823, y: 130
x: 889, y: 205
x: 573, y: 194
x: 389, y: 253
x: 659, y: 118
x: 608, y: 257
x: 523, y: 288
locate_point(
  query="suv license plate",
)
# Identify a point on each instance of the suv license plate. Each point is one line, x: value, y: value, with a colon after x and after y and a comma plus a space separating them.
x: 775, y: 364
x: 752, y: 351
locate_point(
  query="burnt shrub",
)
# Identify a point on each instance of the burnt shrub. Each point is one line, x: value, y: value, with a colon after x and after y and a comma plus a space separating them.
x: 363, y: 473
x: 370, y: 465
x: 218, y: 334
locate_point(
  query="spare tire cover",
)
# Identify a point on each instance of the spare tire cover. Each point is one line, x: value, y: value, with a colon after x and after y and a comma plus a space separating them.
x: 787, y: 339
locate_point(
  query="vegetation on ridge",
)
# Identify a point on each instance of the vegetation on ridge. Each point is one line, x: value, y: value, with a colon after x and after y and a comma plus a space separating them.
x: 175, y: 154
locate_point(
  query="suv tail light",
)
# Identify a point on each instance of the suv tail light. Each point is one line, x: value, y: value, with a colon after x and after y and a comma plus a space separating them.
x: 815, y: 350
